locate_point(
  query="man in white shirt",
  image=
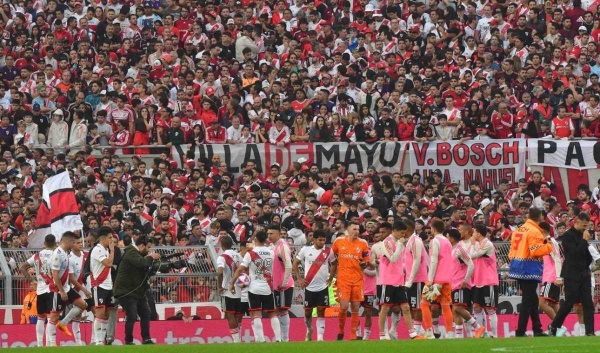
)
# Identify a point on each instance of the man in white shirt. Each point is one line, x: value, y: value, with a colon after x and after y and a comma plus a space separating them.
x: 101, y: 261
x: 234, y: 132
x: 259, y: 263
x: 320, y: 266
x: 227, y: 264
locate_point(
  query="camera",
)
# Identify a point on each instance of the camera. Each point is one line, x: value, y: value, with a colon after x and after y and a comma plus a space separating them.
x: 165, y: 264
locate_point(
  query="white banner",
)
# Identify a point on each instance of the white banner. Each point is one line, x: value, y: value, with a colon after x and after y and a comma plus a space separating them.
x: 384, y: 156
x: 581, y: 154
x: 486, y: 162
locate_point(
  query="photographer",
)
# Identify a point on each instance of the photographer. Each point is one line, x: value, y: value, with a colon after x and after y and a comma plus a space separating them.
x: 131, y: 285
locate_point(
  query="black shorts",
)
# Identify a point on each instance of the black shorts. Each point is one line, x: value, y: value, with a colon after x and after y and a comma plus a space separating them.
x: 378, y: 292
x: 44, y: 303
x: 486, y: 296
x: 392, y: 295
x: 59, y: 305
x: 369, y: 301
x: 550, y: 292
x: 414, y: 295
x: 318, y: 299
x: 462, y: 297
x: 261, y: 302
x: 230, y: 305
x: 245, y: 308
x: 283, y: 299
x: 103, y: 298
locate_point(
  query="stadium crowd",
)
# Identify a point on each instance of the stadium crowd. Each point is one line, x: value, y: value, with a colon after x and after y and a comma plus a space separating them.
x: 79, y: 76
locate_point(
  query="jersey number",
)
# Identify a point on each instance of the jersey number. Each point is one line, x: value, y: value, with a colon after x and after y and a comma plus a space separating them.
x: 516, y: 239
x: 263, y: 268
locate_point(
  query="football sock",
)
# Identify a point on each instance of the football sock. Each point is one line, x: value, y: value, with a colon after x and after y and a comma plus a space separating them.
x: 320, y: 328
x: 354, y: 322
x: 76, y: 331
x: 73, y: 313
x: 493, y: 321
x: 276, y: 326
x: 257, y: 327
x: 367, y: 333
x: 284, y: 323
x: 448, y: 318
x: 51, y: 334
x: 39, y: 331
x: 458, y: 331
x: 342, y: 318
x: 426, y: 310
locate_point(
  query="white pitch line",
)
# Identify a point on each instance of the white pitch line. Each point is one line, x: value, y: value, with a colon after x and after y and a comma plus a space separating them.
x: 545, y: 348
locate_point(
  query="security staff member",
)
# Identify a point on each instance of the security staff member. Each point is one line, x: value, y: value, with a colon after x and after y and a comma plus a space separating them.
x: 576, y: 275
x: 131, y: 285
x: 527, y: 249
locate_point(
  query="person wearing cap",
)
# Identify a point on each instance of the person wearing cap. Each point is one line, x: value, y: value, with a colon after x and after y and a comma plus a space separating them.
x: 78, y: 133
x: 58, y: 134
x: 46, y: 105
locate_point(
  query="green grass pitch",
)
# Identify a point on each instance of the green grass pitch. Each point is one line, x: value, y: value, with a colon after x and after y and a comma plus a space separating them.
x: 508, y: 345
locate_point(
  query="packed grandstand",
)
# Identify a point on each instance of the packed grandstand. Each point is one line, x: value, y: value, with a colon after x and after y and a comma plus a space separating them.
x: 189, y: 121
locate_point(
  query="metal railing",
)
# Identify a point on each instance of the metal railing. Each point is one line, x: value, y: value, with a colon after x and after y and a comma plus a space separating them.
x: 194, y: 278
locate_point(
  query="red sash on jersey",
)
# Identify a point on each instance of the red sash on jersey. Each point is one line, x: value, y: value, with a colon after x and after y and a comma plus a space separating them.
x: 229, y: 262
x: 103, y: 276
x: 45, y: 276
x: 268, y: 276
x: 63, y: 280
x: 282, y: 135
x: 316, y: 265
x: 86, y: 254
x: 240, y: 232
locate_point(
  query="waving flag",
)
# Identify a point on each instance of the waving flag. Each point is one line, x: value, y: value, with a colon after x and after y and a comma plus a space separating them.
x: 58, y: 211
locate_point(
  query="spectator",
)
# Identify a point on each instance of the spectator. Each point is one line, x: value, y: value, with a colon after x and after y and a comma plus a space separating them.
x: 320, y: 132
x: 58, y: 134
x: 29, y: 311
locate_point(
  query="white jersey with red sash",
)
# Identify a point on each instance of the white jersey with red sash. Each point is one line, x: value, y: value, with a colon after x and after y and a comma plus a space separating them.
x: 229, y: 261
x: 259, y: 262
x: 60, y: 263
x: 317, y: 263
x: 277, y: 136
x: 77, y: 263
x: 351, y: 134
x: 41, y: 263
x: 240, y: 232
x: 100, y: 275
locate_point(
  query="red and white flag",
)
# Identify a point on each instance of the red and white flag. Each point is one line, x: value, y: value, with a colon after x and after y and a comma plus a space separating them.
x: 58, y: 212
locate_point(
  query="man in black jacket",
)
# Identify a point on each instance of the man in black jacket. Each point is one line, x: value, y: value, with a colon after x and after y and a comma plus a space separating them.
x: 131, y: 285
x: 576, y: 275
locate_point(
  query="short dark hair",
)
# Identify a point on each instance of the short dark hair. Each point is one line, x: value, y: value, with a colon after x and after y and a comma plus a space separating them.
x: 261, y: 236
x: 584, y: 217
x: 142, y: 240
x: 454, y: 234
x: 226, y: 243
x: 50, y: 241
x: 438, y: 225
x: 319, y: 233
x: 481, y: 229
x: 69, y: 235
x: 399, y: 225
